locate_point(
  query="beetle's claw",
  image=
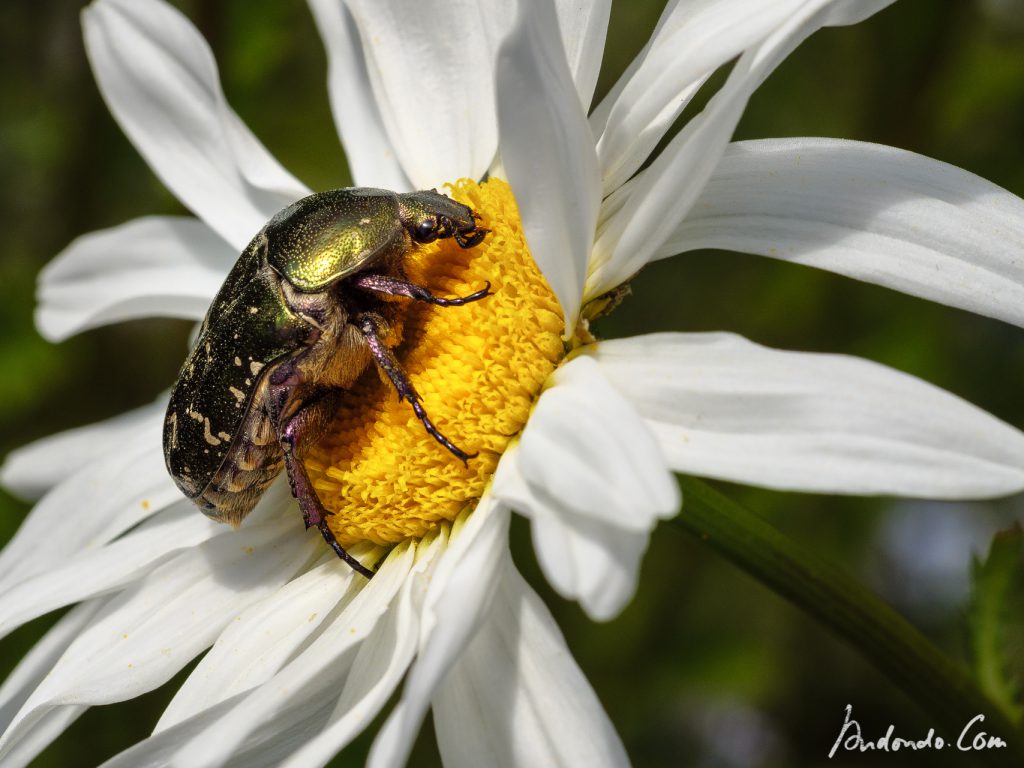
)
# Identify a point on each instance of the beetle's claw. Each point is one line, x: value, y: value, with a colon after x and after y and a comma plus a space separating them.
x: 465, y: 457
x: 460, y: 454
x: 471, y: 238
x: 435, y: 433
x: 483, y: 293
x: 458, y: 301
x: 328, y: 535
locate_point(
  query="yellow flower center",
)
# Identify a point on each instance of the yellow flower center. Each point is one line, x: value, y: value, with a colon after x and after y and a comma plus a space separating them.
x: 477, y: 368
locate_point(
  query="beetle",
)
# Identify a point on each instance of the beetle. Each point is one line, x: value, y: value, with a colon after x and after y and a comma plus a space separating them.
x: 302, y: 314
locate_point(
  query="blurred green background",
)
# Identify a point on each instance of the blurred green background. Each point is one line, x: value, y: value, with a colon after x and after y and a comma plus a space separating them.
x: 706, y: 667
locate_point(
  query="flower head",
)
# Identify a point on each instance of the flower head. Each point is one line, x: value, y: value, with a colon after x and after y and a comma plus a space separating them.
x: 579, y: 435
x: 478, y: 369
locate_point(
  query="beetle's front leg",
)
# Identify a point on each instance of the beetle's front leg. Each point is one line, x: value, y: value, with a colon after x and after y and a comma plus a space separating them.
x: 393, y: 286
x: 371, y: 324
x: 298, y: 421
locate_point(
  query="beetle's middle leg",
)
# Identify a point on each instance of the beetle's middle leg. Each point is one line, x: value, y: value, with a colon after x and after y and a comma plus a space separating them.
x: 394, y: 286
x: 299, y: 419
x: 370, y: 325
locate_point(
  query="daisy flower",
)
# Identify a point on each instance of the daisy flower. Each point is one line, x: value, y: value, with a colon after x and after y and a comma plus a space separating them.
x: 580, y: 436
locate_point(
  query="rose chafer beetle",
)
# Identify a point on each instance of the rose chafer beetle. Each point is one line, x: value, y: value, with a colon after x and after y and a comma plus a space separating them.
x: 300, y: 317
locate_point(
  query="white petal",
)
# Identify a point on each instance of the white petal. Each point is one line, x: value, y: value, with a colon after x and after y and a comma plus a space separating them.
x: 43, y: 733
x: 693, y: 39
x: 599, y: 115
x: 603, y: 561
x: 156, y: 751
x: 458, y: 596
x: 37, y: 663
x: 724, y: 407
x: 33, y: 469
x: 149, y: 632
x: 841, y: 13
x: 432, y: 70
x: 586, y: 449
x: 105, y: 498
x: 266, y: 747
x: 590, y: 475
x: 158, y: 266
x: 160, y: 81
x: 592, y: 561
x: 548, y: 153
x: 371, y: 158
x: 516, y: 696
x: 310, y: 680
x: 583, y: 25
x: 875, y: 213
x: 380, y: 665
x: 96, y: 571
x: 661, y: 196
x: 261, y: 640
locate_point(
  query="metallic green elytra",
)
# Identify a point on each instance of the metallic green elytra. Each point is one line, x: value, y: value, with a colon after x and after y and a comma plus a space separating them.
x: 301, y: 315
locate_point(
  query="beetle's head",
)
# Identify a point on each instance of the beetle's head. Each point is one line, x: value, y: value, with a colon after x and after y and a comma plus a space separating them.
x: 429, y: 215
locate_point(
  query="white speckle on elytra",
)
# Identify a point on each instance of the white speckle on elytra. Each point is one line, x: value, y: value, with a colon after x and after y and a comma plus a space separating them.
x: 208, y: 433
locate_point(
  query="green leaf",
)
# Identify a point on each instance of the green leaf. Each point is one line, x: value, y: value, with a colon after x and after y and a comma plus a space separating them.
x: 996, y: 622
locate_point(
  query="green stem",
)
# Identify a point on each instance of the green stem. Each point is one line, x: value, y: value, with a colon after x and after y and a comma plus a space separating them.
x: 940, y: 685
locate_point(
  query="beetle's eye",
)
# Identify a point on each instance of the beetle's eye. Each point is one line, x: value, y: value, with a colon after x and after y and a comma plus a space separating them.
x: 426, y: 231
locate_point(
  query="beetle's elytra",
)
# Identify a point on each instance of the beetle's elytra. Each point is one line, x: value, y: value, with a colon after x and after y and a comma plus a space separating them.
x: 299, y: 318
